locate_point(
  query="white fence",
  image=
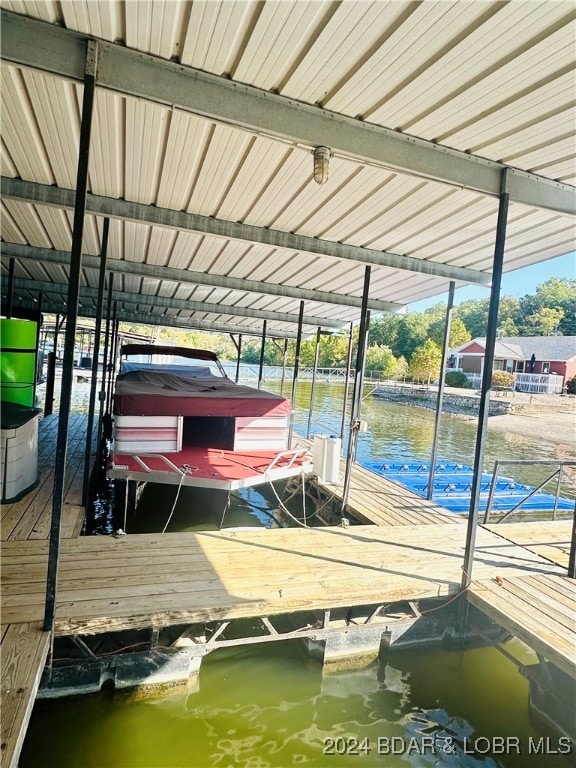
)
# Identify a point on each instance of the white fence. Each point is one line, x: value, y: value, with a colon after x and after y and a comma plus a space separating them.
x: 539, y: 383
x: 532, y: 383
x: 249, y: 372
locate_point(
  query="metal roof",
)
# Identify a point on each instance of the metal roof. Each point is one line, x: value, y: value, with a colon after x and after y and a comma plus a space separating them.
x: 205, y: 120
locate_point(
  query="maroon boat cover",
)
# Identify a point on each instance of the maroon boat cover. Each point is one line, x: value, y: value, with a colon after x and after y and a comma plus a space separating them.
x: 151, y: 393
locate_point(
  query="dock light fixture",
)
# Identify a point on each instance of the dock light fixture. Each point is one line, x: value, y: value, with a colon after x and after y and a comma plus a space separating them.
x: 321, y: 162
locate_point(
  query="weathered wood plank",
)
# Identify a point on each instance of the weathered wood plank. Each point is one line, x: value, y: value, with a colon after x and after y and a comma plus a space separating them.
x: 549, y: 539
x: 525, y: 620
x: 24, y: 650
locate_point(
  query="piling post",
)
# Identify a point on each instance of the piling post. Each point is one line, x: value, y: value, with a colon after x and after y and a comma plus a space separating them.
x: 440, y: 396
x: 357, y: 391
x: 491, y: 328
x: 347, y: 383
x: 295, y: 374
x: 102, y: 392
x: 284, y: 355
x: 71, y: 322
x: 95, y: 357
x: 313, y: 388
x: 262, y: 349
x: 113, y: 343
x: 238, y: 345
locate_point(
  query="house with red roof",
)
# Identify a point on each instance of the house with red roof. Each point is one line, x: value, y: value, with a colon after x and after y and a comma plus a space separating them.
x: 542, y: 363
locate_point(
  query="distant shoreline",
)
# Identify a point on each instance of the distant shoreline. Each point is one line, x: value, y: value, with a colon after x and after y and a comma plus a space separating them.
x: 551, y: 418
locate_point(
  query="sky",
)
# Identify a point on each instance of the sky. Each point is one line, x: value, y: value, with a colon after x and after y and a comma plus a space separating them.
x: 517, y: 283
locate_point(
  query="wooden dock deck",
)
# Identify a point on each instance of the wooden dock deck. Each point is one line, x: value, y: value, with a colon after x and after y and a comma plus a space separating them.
x: 30, y: 517
x: 376, y: 500
x: 410, y: 550
x: 24, y: 646
x: 538, y: 608
x: 108, y: 584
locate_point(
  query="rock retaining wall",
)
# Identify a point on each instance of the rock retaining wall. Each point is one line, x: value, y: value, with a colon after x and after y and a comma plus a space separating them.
x: 455, y: 401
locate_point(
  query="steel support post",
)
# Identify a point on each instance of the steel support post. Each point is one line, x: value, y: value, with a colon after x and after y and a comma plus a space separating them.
x: 113, y: 341
x: 296, y: 370
x: 491, y: 328
x: 70, y: 336
x: 361, y: 384
x: 57, y: 327
x: 238, y: 354
x: 10, y: 289
x: 37, y: 346
x: 50, y: 376
x: 313, y: 389
x: 347, y: 383
x: 95, y: 357
x: 102, y: 392
x: 357, y: 391
x: 284, y: 355
x: 262, y: 349
x: 440, y: 397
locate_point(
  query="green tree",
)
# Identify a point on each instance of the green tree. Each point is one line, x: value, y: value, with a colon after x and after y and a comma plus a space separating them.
x: 426, y: 361
x: 333, y: 351
x: 380, y: 358
x: 508, y: 316
x: 474, y: 315
x: 412, y: 333
x: 557, y: 293
x: 384, y: 330
x: 401, y: 369
x: 543, y: 322
x: 459, y: 334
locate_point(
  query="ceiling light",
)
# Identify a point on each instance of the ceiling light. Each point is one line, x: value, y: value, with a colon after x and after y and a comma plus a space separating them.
x: 321, y: 162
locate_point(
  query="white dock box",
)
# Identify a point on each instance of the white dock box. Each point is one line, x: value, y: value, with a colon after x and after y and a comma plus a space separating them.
x: 19, y: 451
x: 326, y: 458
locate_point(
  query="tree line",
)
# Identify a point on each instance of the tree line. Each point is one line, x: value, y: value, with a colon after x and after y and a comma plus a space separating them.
x: 408, y: 345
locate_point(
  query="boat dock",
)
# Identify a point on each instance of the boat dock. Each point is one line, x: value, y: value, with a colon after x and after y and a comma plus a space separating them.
x: 409, y: 550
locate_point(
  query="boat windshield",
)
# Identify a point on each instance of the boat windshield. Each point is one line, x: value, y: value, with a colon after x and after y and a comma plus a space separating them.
x: 191, y: 363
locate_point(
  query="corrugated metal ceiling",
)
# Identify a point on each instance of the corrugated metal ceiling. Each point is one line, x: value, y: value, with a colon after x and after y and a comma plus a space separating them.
x: 492, y: 78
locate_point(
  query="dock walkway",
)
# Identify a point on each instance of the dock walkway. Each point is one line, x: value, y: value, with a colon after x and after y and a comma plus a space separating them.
x: 109, y: 584
x: 376, y: 500
x: 24, y: 646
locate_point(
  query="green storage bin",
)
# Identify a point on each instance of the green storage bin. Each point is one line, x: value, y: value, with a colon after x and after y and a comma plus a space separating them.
x: 17, y: 361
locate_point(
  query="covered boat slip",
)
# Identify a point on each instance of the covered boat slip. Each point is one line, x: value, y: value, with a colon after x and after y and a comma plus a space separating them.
x: 412, y: 549
x: 322, y: 156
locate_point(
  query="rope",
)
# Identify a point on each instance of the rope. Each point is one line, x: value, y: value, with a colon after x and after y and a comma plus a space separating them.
x: 175, y: 502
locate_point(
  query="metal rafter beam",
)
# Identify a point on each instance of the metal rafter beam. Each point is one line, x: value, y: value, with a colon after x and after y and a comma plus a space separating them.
x: 169, y: 321
x: 165, y: 302
x: 151, y: 215
x: 52, y: 256
x: 48, y: 48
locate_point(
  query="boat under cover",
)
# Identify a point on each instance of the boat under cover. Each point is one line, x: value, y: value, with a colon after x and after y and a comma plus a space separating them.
x: 179, y: 419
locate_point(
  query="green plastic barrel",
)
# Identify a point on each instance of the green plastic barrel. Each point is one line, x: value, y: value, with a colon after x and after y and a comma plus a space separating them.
x: 17, y: 361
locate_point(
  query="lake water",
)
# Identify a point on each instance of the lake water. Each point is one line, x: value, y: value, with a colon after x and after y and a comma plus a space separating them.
x: 270, y: 705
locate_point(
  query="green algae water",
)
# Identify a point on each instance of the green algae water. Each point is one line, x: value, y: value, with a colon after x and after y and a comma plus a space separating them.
x: 271, y: 706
